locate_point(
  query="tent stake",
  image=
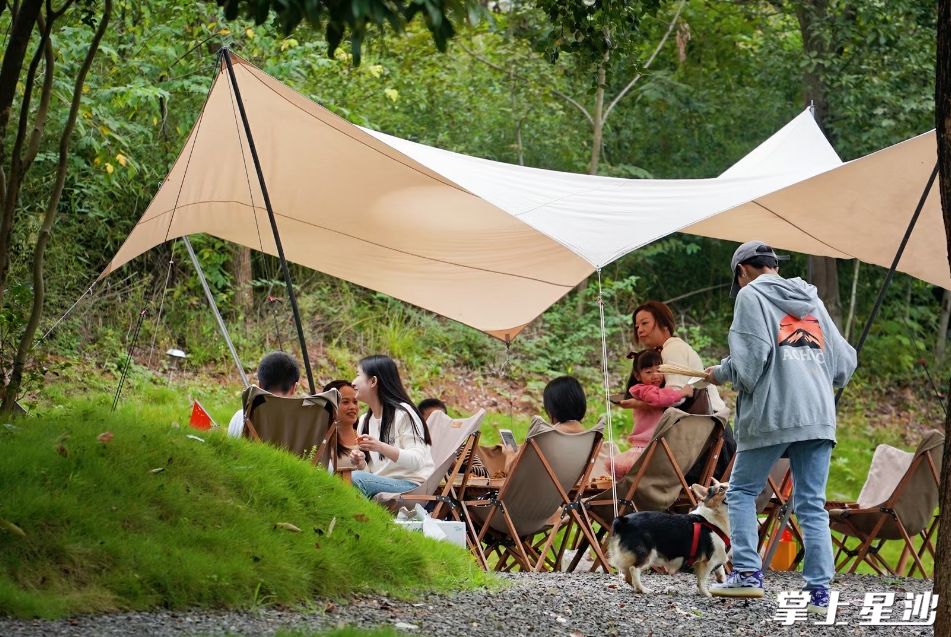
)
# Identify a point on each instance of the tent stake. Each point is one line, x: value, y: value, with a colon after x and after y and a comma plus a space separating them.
x: 891, y: 270
x: 214, y: 309
x: 226, y: 54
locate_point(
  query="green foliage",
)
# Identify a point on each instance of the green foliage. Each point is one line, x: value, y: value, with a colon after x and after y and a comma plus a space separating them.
x: 356, y: 18
x: 593, y: 29
x: 97, y: 524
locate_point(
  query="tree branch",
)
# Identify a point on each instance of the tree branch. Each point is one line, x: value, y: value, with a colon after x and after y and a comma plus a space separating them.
x: 501, y: 69
x: 481, y: 58
x: 42, y: 112
x: 574, y: 103
x: 650, y: 60
x: 18, y: 163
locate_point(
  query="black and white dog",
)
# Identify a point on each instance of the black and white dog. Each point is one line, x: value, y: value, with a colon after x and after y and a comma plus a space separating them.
x: 698, y: 541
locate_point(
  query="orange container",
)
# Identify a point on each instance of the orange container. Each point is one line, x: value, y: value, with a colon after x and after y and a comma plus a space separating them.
x: 785, y: 553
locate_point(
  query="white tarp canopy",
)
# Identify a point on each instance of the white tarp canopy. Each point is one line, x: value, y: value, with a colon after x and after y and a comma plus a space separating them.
x: 603, y: 218
x: 485, y: 243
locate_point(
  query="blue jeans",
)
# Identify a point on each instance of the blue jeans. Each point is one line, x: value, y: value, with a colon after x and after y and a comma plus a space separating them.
x: 809, y: 461
x: 370, y: 484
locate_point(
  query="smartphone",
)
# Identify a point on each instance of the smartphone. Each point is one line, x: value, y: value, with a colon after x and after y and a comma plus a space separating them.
x: 508, y: 439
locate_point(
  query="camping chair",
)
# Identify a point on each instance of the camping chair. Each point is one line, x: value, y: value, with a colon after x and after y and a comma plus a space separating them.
x: 452, y: 449
x: 301, y: 425
x: 897, y: 503
x: 775, y: 501
x: 541, y: 493
x: 657, y: 480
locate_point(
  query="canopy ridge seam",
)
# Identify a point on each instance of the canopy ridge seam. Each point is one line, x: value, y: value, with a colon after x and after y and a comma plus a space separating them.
x: 373, y: 243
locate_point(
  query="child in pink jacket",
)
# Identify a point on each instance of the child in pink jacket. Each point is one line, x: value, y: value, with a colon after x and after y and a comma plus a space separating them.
x: 649, y: 398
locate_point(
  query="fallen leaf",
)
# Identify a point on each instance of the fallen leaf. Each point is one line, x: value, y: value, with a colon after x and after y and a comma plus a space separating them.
x: 361, y: 517
x: 287, y: 526
x: 330, y: 527
x: 63, y: 451
x: 405, y: 626
x: 12, y: 528
x: 105, y: 437
x: 157, y: 470
x: 194, y: 437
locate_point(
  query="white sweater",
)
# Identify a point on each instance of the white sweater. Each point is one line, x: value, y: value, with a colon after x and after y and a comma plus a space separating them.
x: 677, y: 351
x: 415, y: 462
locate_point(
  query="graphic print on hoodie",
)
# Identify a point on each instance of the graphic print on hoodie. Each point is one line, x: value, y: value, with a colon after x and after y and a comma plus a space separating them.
x: 804, y: 332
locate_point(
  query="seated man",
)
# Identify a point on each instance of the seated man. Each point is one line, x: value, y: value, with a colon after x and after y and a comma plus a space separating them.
x: 278, y: 373
x: 426, y: 407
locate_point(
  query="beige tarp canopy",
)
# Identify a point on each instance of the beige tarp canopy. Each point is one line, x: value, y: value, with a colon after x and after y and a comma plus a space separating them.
x: 493, y: 245
x: 859, y: 210
x: 350, y: 206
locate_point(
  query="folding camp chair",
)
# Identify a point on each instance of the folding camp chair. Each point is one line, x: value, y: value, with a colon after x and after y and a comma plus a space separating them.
x: 897, y: 502
x: 540, y: 497
x: 301, y: 425
x: 452, y: 450
x: 775, y: 503
x: 657, y: 480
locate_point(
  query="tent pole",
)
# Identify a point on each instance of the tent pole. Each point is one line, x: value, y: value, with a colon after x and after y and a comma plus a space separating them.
x: 891, y: 270
x: 214, y: 309
x: 226, y: 54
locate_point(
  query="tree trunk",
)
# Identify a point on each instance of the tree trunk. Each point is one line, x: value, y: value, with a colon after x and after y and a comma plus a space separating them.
x: 13, y: 56
x: 852, y: 296
x: 39, y: 252
x: 598, y: 117
x: 942, y: 339
x: 597, y: 136
x: 243, y: 294
x: 942, y: 568
x: 813, y: 16
x: 824, y: 274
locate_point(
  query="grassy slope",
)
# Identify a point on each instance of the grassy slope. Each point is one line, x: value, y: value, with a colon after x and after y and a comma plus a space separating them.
x: 105, y: 532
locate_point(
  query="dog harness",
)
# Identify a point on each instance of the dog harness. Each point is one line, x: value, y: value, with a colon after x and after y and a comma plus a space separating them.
x: 695, y: 542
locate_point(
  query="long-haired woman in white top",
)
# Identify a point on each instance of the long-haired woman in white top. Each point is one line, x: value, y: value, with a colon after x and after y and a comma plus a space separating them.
x: 394, y: 444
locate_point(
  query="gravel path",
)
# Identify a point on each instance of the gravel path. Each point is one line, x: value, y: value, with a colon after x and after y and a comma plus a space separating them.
x: 544, y: 604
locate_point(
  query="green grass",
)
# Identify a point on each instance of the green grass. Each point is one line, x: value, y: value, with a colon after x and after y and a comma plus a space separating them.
x: 154, y: 519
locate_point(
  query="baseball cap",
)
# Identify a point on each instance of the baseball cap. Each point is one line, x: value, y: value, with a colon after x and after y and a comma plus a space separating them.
x: 747, y: 251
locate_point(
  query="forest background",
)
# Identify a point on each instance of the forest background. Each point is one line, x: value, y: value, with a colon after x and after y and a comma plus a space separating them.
x: 684, y: 90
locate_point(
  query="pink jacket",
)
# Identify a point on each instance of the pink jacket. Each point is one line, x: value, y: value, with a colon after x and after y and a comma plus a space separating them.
x: 646, y: 418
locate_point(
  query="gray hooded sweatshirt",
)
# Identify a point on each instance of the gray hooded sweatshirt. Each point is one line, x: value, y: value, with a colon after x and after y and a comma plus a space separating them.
x: 786, y: 356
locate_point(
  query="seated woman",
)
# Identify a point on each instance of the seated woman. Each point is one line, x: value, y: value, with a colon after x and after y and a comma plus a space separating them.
x: 654, y: 327
x: 348, y: 412
x: 649, y: 399
x: 564, y: 402
x: 393, y: 454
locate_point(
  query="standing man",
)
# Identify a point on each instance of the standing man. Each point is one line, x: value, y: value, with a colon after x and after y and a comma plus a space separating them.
x: 786, y: 358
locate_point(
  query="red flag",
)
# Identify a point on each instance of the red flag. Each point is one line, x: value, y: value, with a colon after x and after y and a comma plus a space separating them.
x: 200, y: 419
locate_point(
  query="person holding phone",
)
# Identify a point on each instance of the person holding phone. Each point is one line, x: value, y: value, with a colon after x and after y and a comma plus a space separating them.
x: 393, y: 454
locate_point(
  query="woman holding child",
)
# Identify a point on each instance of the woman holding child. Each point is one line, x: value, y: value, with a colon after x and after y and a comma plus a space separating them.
x: 393, y: 454
x: 651, y: 392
